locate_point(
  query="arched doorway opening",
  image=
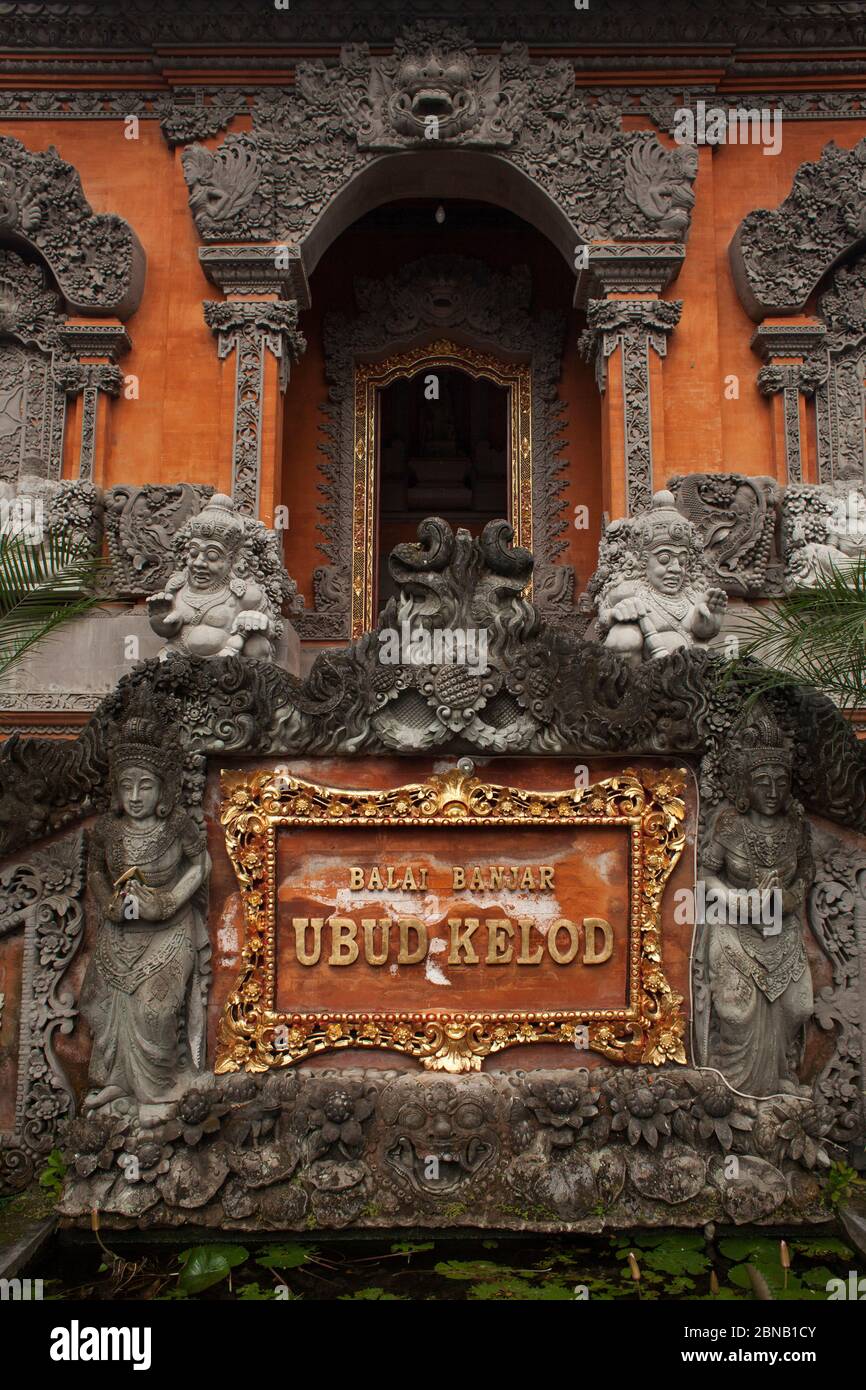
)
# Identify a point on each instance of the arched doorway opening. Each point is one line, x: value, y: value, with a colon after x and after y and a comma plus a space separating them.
x: 359, y: 473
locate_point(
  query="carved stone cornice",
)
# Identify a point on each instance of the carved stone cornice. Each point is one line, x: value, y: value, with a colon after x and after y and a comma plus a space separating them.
x: 257, y: 270
x: 773, y: 340
x: 720, y: 34
x: 778, y: 257
x: 96, y: 258
x: 272, y: 183
x: 637, y: 268
x: 96, y: 340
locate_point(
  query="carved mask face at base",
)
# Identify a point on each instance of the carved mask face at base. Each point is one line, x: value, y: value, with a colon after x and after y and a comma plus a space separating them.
x: 770, y: 789
x: 666, y: 568
x: 139, y: 790
x: 441, y: 1136
x: 208, y: 564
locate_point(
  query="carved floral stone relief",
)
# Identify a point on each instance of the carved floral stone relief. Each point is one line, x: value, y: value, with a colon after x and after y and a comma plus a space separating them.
x: 42, y: 896
x: 272, y: 183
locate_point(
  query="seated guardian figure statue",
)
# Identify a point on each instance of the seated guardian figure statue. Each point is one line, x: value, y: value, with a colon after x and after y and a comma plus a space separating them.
x: 215, y: 605
x: 651, y: 590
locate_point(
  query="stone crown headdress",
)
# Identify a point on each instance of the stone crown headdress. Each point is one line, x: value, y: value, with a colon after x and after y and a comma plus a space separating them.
x: 760, y: 743
x: 218, y: 520
x: 664, y: 523
x: 143, y: 742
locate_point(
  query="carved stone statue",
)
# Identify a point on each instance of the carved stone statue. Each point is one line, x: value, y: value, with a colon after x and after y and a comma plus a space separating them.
x: 219, y: 603
x: 824, y: 530
x: 754, y: 987
x: 652, y: 588
x: 144, y: 994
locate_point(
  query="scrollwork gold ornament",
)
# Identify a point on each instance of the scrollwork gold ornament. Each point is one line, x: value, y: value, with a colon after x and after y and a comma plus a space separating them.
x: 649, y: 1029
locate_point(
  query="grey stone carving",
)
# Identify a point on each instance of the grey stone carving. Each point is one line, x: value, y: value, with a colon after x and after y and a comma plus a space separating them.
x: 635, y: 326
x: 753, y: 994
x: 440, y: 294
x: 839, y: 412
x: 774, y: 341
x: 32, y: 398
x: 39, y: 370
x: 42, y: 895
x: 778, y: 257
x: 567, y: 1149
x: 736, y: 518
x: 541, y: 691
x: 249, y: 329
x: 90, y: 378
x: 821, y: 26
x: 228, y: 589
x: 141, y: 524
x: 56, y: 507
x: 97, y: 259
x: 272, y: 183
x: 653, y: 592
x: 145, y: 991
x: 435, y: 78
x: 198, y: 112
x: 823, y: 530
x: 837, y: 916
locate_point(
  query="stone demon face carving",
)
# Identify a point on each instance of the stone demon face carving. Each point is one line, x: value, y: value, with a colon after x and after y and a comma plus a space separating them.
x: 433, y: 83
x: 439, y: 1135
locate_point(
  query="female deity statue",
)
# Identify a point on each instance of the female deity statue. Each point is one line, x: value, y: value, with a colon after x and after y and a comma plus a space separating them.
x: 145, y: 991
x: 213, y: 606
x: 653, y: 592
x: 752, y: 961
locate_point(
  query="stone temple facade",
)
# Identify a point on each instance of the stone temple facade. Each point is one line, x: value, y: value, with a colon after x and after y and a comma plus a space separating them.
x: 443, y: 393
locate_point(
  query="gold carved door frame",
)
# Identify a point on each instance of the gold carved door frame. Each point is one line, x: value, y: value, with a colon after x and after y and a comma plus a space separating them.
x: 371, y: 378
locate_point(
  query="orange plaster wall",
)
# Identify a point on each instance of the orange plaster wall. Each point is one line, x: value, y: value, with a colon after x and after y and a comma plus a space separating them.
x: 173, y: 432
x: 179, y: 429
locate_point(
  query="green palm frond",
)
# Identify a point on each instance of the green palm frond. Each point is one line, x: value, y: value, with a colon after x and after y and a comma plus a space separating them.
x: 815, y: 636
x: 41, y: 586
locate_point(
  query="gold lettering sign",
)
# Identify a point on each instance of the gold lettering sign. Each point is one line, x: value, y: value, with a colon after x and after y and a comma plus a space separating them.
x: 451, y: 918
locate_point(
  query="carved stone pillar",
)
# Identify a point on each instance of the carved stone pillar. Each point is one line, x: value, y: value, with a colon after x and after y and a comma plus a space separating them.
x: 91, y: 370
x: 626, y: 335
x: 796, y: 367
x: 260, y: 326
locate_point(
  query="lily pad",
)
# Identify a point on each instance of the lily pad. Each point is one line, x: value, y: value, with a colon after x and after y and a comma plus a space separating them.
x: 206, y: 1265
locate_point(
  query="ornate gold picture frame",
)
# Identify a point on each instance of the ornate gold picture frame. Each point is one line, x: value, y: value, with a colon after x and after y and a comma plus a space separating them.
x: 371, y: 378
x: 255, y: 806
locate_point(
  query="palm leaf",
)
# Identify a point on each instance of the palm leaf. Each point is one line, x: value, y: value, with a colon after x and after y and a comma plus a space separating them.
x: 41, y: 587
x: 815, y: 636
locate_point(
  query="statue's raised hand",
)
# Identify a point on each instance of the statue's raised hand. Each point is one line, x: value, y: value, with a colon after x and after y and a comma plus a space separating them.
x: 158, y: 606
